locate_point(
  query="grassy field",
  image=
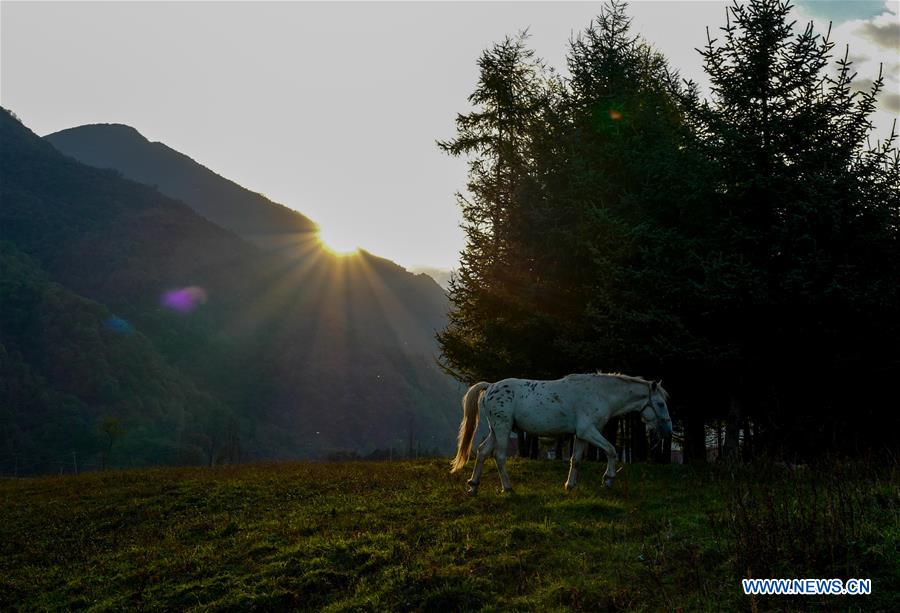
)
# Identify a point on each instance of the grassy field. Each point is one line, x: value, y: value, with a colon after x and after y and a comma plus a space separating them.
x: 404, y: 536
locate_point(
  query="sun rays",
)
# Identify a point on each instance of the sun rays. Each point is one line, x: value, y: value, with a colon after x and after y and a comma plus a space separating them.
x: 338, y: 317
x: 322, y: 301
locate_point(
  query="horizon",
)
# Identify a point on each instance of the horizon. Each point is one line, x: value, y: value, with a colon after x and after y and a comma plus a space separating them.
x: 379, y: 183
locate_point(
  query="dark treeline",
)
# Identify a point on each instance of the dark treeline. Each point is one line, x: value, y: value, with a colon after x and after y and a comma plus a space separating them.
x: 744, y: 245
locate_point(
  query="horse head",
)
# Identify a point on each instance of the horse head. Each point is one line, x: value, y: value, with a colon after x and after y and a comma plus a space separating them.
x: 655, y: 412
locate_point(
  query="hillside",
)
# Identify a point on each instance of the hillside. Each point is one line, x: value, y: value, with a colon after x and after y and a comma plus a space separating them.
x: 124, y: 245
x: 67, y: 365
x: 223, y: 202
x: 308, y: 353
x: 404, y: 536
x: 414, y: 304
x: 250, y: 215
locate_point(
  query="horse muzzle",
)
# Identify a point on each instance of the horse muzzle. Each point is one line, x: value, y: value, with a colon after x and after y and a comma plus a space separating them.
x: 665, y: 429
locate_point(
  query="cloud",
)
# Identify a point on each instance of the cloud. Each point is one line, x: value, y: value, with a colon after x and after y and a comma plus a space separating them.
x: 884, y: 31
x: 871, y: 40
x: 890, y: 102
x: 862, y: 85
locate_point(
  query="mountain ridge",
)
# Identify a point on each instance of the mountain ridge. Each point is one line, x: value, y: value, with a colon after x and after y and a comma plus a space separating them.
x: 123, y: 148
x: 307, y: 352
x: 263, y: 222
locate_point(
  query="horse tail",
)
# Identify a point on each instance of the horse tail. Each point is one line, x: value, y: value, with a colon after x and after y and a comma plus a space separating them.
x: 467, y: 426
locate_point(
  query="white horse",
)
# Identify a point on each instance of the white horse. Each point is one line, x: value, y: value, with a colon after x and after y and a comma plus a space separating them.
x: 579, y: 404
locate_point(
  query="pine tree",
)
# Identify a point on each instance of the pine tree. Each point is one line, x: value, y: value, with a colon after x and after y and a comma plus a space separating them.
x: 481, y: 340
x: 745, y: 246
x: 625, y: 196
x: 806, y: 226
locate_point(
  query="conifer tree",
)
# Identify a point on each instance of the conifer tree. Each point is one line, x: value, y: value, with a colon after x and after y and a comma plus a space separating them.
x: 481, y: 340
x: 745, y: 246
x: 806, y: 222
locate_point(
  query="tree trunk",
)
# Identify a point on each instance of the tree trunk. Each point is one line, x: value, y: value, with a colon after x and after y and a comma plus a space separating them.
x: 522, y: 443
x: 747, y: 447
x: 732, y: 430
x: 665, y: 455
x: 694, y: 439
x: 718, y: 439
x: 610, y: 430
x: 639, y: 447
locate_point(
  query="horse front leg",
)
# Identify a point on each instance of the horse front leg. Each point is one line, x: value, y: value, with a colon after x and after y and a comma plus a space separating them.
x: 593, y: 435
x: 577, y: 452
x: 485, y: 450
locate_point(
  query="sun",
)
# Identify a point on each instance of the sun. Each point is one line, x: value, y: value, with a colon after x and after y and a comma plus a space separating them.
x: 337, y: 242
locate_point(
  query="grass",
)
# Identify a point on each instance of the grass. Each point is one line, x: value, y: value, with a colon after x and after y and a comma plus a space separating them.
x: 404, y: 536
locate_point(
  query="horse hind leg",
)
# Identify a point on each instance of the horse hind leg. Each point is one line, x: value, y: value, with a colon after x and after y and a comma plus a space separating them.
x: 501, y: 434
x: 485, y: 450
x: 500, y: 459
x: 577, y: 452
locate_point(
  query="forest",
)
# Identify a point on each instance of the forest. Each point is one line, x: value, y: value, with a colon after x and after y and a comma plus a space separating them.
x: 742, y: 244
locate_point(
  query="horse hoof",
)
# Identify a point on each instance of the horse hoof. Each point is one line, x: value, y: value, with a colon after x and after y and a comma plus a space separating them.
x: 508, y: 491
x: 472, y: 491
x: 608, y: 482
x: 569, y: 488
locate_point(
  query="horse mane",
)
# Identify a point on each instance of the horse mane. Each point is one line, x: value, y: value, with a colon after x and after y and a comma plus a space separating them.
x: 624, y: 377
x: 630, y: 379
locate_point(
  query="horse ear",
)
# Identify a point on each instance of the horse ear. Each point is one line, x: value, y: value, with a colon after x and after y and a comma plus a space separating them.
x: 654, y: 385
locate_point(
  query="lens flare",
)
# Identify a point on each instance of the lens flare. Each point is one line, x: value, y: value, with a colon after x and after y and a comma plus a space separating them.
x: 185, y: 299
x: 118, y: 325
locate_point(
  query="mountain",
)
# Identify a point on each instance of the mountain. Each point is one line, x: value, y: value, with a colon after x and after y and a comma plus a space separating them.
x: 223, y: 202
x: 72, y: 373
x: 441, y: 276
x: 421, y: 304
x: 300, y: 352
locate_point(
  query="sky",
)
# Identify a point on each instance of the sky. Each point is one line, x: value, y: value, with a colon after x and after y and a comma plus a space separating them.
x: 334, y: 108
